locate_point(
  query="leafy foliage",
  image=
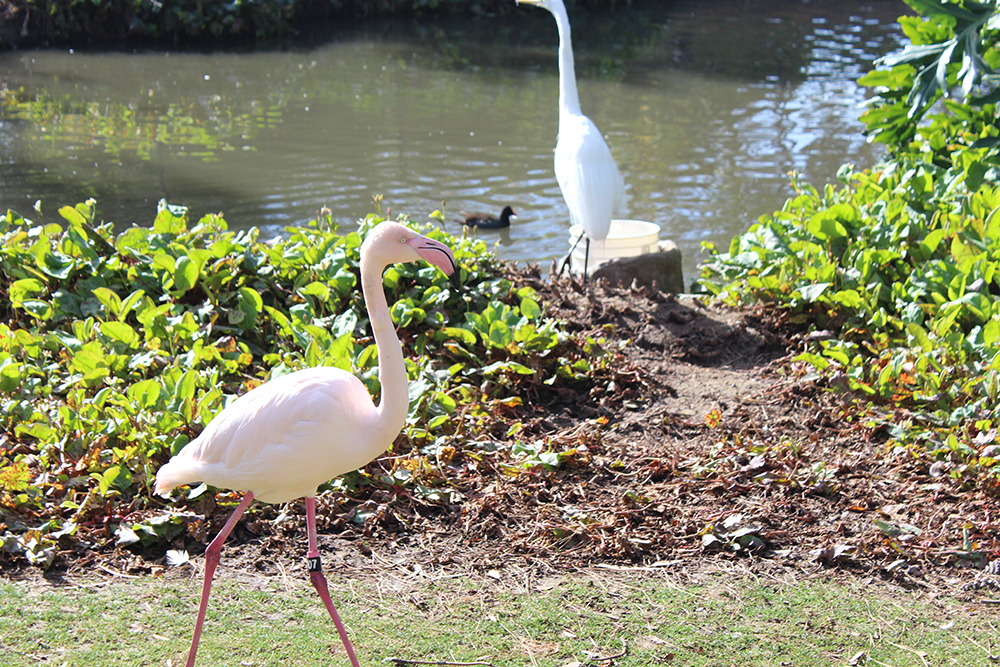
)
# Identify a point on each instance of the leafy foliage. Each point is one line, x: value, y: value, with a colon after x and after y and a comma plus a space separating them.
x: 116, y: 351
x: 117, y: 19
x: 899, y: 266
x: 60, y: 21
x: 954, y: 44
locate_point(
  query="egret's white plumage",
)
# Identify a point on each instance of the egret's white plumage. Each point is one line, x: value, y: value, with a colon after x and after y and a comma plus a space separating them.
x: 284, y: 438
x: 586, y: 171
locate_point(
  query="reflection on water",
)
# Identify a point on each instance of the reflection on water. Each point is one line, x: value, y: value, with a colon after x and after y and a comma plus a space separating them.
x: 706, y: 105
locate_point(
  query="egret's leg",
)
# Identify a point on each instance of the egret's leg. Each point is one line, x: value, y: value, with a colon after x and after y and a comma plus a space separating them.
x: 319, y: 581
x: 586, y: 258
x: 567, y: 260
x: 211, y: 561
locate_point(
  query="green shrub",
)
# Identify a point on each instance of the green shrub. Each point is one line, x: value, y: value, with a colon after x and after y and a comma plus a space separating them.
x: 901, y: 263
x: 119, y: 20
x: 139, y: 21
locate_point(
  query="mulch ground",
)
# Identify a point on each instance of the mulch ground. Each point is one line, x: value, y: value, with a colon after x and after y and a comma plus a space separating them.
x: 708, y: 445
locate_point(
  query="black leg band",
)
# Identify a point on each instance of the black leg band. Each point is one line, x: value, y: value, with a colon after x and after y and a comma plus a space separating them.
x: 314, y: 564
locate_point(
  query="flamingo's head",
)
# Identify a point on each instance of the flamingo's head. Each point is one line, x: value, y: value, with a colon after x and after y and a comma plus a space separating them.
x: 393, y: 242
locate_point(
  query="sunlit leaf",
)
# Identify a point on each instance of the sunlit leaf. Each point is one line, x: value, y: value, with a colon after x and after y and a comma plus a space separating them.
x: 812, y: 292
x: 23, y: 289
x: 145, y: 394
x: 185, y: 274
x: 120, y: 332
x: 530, y: 308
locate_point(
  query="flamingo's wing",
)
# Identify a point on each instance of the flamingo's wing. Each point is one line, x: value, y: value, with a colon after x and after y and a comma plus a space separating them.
x: 295, y: 427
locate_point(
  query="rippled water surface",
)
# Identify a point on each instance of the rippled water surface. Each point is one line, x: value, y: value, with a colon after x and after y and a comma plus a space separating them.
x: 706, y: 106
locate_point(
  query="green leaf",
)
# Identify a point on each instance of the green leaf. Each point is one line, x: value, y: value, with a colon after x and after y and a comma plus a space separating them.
x: 55, y: 265
x: 111, y: 302
x: 10, y: 375
x: 931, y: 241
x: 919, y: 336
x: 121, y: 332
x: 811, y: 293
x: 130, y: 302
x: 41, y: 310
x: 815, y: 360
x: 500, y: 334
x: 185, y: 274
x: 170, y: 219
x: 520, y: 368
x: 283, y: 323
x: 975, y: 174
x: 116, y: 478
x: 849, y: 299
x: 145, y: 394
x: 72, y: 216
x: 960, y: 251
x: 463, y: 336
x: 827, y: 225
x: 317, y: 289
x: 20, y: 290
x: 251, y: 304
x: 42, y: 432
x: 530, y: 309
x: 991, y: 332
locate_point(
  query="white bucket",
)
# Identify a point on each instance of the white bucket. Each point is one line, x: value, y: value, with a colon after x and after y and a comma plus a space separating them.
x: 626, y: 238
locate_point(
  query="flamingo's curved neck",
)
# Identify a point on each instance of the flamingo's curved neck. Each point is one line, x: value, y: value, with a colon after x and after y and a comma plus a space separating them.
x: 395, y: 402
x: 569, y: 100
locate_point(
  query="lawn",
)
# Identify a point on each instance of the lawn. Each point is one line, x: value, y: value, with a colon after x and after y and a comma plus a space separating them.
x: 644, y: 617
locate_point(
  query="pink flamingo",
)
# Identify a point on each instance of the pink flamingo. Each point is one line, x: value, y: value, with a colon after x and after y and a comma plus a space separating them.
x: 283, y: 439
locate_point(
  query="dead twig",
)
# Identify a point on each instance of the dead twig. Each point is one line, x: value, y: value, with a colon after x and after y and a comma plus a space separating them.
x: 610, y: 658
x: 401, y: 661
x: 987, y: 651
x: 919, y: 654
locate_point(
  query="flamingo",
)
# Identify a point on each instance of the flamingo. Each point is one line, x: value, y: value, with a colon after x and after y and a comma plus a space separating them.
x: 281, y: 440
x: 488, y: 221
x: 586, y: 171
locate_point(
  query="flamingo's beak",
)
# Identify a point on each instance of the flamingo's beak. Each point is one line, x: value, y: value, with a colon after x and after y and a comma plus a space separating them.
x: 438, y: 254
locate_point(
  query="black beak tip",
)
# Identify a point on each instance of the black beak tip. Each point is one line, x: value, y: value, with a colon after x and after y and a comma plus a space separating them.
x: 456, y: 279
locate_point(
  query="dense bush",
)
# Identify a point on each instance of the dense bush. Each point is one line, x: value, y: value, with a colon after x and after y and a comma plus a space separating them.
x: 900, y: 264
x: 139, y: 21
x: 50, y: 21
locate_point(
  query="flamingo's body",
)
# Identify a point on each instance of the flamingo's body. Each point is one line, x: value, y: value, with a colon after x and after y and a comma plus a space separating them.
x: 585, y: 169
x: 276, y: 439
x: 488, y: 221
x: 283, y: 439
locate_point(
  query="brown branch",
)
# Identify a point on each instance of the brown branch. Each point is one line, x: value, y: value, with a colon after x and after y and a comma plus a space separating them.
x: 400, y: 661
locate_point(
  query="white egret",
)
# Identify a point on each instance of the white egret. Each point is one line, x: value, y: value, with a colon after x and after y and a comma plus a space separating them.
x: 585, y: 169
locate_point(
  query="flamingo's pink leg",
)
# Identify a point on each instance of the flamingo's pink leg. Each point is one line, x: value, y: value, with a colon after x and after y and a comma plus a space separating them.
x: 211, y: 561
x: 319, y: 581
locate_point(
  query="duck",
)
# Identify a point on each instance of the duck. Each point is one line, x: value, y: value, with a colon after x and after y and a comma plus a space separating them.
x: 487, y: 221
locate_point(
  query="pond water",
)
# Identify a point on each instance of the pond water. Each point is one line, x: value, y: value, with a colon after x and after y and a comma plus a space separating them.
x: 707, y: 105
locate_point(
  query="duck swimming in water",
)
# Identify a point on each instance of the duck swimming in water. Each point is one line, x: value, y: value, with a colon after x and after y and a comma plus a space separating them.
x: 487, y: 221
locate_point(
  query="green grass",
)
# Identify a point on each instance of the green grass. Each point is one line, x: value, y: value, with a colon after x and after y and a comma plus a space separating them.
x: 279, y: 621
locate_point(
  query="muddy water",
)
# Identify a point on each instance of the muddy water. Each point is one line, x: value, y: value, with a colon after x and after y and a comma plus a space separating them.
x: 707, y: 105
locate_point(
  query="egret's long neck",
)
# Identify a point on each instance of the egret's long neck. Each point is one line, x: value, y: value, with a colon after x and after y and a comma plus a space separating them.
x: 569, y: 100
x: 395, y: 402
